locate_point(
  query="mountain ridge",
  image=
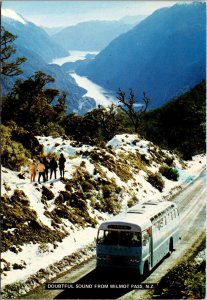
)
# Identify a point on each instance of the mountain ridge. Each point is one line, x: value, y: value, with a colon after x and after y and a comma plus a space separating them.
x: 92, y: 35
x: 37, y: 59
x: 158, y: 56
x: 33, y: 37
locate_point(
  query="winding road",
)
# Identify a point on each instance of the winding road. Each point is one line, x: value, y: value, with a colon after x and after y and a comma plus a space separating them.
x: 192, y: 206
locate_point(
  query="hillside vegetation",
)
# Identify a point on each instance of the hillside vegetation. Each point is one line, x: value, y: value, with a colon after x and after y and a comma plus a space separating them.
x: 180, y: 124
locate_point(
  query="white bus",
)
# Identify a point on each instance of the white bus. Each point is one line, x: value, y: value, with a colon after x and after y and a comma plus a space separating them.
x: 138, y: 238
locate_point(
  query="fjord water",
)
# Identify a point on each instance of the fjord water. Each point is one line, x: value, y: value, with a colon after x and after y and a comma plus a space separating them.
x: 72, y: 57
x: 100, y: 95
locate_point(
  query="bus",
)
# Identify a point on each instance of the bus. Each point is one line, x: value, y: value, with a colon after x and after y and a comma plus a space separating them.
x: 138, y: 238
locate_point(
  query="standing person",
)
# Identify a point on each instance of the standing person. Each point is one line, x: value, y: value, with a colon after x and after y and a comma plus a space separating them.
x: 46, y: 163
x: 53, y: 167
x: 41, y: 170
x: 62, y: 161
x: 33, y: 171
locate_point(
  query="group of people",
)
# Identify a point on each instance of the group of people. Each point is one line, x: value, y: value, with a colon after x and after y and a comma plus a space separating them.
x: 43, y: 167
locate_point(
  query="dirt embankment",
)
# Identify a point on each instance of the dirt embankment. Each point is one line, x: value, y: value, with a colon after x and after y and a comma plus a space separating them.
x: 188, y: 279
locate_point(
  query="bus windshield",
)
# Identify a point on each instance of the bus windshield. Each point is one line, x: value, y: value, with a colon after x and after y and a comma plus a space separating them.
x: 121, y: 238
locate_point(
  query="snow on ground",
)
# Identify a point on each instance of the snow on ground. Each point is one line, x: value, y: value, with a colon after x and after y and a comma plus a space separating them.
x: 130, y: 142
x: 31, y: 253
x: 35, y: 259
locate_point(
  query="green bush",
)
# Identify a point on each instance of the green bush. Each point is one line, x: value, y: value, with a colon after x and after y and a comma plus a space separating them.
x: 156, y: 181
x: 169, y: 173
x: 110, y: 205
x: 47, y: 193
x: 27, y: 139
x: 13, y: 154
x: 51, y: 155
x: 52, y: 129
x: 169, y: 161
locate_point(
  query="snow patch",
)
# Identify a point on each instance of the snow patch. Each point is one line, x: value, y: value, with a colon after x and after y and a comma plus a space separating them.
x: 12, y: 15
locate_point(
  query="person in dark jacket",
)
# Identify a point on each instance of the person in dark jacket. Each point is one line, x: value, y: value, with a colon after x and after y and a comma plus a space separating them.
x: 62, y: 161
x: 53, y: 167
x: 46, y: 163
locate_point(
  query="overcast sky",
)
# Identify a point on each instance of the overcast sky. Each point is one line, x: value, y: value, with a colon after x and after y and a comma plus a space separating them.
x: 65, y: 13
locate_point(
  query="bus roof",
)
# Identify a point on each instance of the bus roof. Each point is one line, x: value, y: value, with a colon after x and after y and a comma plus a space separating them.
x: 138, y: 217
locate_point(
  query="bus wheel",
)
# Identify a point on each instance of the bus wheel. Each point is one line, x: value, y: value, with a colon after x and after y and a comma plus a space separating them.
x: 146, y: 269
x: 171, y: 246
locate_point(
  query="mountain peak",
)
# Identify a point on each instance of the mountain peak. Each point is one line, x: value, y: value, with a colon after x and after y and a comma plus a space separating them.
x: 11, y: 14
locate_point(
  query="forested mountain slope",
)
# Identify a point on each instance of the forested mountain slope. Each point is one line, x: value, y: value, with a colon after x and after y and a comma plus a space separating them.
x: 164, y: 55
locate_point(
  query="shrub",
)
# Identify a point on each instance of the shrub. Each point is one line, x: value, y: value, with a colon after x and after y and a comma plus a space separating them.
x: 77, y: 202
x: 169, y: 161
x: 19, y: 213
x: 132, y: 201
x: 47, y: 193
x: 169, y: 173
x: 87, y: 186
x: 52, y: 129
x: 66, y: 195
x: 43, y: 248
x: 19, y: 196
x: 110, y: 205
x: 27, y: 139
x: 50, y: 155
x: 156, y: 181
x: 13, y: 154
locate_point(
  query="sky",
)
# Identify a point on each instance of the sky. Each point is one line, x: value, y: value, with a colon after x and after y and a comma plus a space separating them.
x: 67, y: 13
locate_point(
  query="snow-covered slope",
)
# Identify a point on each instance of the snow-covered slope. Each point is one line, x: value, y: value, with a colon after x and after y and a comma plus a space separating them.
x: 44, y: 223
x: 10, y: 14
x: 31, y: 36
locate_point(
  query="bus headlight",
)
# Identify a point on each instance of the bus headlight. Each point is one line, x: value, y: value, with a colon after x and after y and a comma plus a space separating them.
x: 101, y: 258
x: 133, y: 260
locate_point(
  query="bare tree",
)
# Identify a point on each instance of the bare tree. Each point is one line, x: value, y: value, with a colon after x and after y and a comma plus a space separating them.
x: 110, y: 120
x: 129, y: 107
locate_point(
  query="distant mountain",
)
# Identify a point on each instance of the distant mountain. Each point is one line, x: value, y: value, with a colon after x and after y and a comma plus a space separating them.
x: 90, y: 36
x: 52, y: 30
x: 31, y: 36
x: 134, y: 20
x: 164, y: 55
x: 36, y: 61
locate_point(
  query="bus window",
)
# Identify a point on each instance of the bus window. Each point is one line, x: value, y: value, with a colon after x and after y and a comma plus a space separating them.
x: 111, y: 237
x: 100, y: 237
x: 145, y: 238
x: 122, y: 238
x: 130, y: 239
x: 162, y: 223
x: 106, y: 237
x: 155, y: 228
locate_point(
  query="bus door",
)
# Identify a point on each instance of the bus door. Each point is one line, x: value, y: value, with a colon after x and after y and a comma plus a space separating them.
x: 147, y: 245
x: 149, y: 231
